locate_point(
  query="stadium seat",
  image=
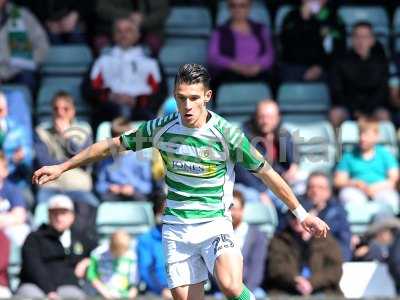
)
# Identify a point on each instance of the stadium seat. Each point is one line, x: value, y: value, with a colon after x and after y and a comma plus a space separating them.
x: 60, y: 80
x: 262, y: 215
x: 349, y: 136
x: 67, y: 60
x: 396, y: 21
x: 240, y: 99
x: 258, y: 13
x: 135, y: 217
x: 14, y: 266
x: 314, y: 145
x: 280, y: 17
x: 359, y: 216
x: 47, y: 91
x: 41, y: 215
x: 304, y: 118
x: 376, y: 15
x: 174, y: 55
x: 303, y: 98
x: 104, y: 130
x: 192, y: 21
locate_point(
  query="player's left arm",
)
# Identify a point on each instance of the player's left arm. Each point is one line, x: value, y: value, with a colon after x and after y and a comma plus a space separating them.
x: 281, y: 189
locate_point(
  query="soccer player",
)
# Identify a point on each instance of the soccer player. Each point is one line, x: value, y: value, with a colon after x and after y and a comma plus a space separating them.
x: 199, y: 149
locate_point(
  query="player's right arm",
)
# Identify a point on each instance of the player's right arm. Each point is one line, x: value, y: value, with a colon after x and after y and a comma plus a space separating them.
x: 93, y: 153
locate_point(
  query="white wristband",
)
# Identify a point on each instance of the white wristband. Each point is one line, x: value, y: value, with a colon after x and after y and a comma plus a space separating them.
x: 300, y: 213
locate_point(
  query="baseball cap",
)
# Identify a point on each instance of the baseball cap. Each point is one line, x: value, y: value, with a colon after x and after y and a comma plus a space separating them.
x: 61, y: 202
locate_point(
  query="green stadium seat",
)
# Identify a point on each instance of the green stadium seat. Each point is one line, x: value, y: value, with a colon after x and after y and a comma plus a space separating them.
x: 134, y: 217
x: 349, y: 136
x: 61, y: 80
x: 262, y: 215
x: 174, y: 55
x: 67, y: 60
x: 304, y: 117
x: 240, y: 99
x: 359, y: 215
x: 191, y: 21
x: 396, y: 21
x: 280, y: 17
x: 40, y: 215
x: 258, y: 13
x: 303, y: 98
x: 315, y: 145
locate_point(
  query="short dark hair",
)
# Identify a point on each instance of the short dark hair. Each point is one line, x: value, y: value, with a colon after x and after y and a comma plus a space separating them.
x: 65, y: 95
x: 320, y: 174
x: 193, y: 74
x: 239, y: 195
x: 362, y: 24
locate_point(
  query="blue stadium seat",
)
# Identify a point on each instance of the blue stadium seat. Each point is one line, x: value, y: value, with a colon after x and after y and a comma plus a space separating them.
x: 396, y: 21
x: 376, y: 15
x: 258, y: 13
x: 41, y: 215
x: 174, y: 55
x: 14, y: 266
x: 61, y: 80
x: 315, y: 145
x: 349, y: 136
x: 280, y: 17
x: 303, y: 98
x: 240, y: 99
x: 359, y: 216
x: 67, y: 60
x: 262, y: 215
x: 135, y: 217
x: 192, y: 21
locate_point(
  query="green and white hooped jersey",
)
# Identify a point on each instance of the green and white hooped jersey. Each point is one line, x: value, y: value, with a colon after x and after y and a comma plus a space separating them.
x: 199, y: 164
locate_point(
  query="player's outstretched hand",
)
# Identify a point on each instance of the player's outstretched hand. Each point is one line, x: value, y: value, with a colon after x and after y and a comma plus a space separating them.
x: 315, y: 226
x: 46, y: 174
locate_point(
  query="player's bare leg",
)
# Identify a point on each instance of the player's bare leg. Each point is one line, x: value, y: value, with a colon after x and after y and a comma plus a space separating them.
x: 189, y: 292
x: 228, y: 272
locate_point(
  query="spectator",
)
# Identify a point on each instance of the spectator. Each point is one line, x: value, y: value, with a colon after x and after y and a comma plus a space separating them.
x: 241, y: 49
x: 4, y: 255
x: 319, y: 196
x: 253, y: 244
x: 13, y: 214
x: 113, y: 268
x: 303, y: 54
x: 360, y: 79
x: 24, y: 45
x: 148, y: 16
x: 151, y: 255
x: 125, y: 176
x: 125, y: 82
x: 377, y: 241
x: 55, y: 256
x: 16, y: 144
x: 57, y: 142
x: 394, y: 261
x: 62, y: 19
x: 299, y: 264
x: 276, y: 144
x: 369, y: 171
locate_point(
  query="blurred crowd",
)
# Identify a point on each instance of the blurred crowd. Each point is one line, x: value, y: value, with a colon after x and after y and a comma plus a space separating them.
x: 126, y: 83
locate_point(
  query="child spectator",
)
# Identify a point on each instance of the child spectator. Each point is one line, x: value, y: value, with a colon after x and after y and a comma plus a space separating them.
x: 113, y: 268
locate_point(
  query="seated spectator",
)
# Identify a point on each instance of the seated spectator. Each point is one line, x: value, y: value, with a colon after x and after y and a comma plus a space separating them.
x: 377, y: 241
x: 303, y: 53
x: 299, y: 264
x: 113, y: 268
x: 58, y: 141
x: 253, y: 244
x: 126, y: 176
x: 369, y: 172
x: 276, y: 144
x: 16, y: 144
x: 62, y: 19
x: 4, y: 255
x: 323, y: 204
x: 359, y: 82
x: 125, y: 82
x: 394, y: 261
x: 148, y: 16
x: 151, y: 255
x: 13, y: 214
x: 241, y: 49
x: 55, y: 256
x: 24, y: 45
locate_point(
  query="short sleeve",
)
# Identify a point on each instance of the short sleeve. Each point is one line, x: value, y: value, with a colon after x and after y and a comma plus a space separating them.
x: 138, y: 139
x: 92, y: 273
x: 344, y: 164
x: 243, y: 152
x: 390, y: 160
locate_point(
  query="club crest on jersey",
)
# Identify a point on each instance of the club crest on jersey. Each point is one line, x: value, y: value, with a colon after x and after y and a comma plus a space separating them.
x: 204, y: 153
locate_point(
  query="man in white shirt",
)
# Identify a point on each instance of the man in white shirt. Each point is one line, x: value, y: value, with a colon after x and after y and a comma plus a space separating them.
x: 125, y: 79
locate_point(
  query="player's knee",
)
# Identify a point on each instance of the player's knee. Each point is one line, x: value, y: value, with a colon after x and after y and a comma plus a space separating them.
x: 231, y: 287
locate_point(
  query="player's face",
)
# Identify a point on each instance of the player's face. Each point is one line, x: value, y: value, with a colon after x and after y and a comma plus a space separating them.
x: 318, y: 190
x: 61, y: 219
x: 191, y: 100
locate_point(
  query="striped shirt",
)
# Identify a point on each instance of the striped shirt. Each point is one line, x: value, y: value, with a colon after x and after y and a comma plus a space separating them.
x: 199, y: 164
